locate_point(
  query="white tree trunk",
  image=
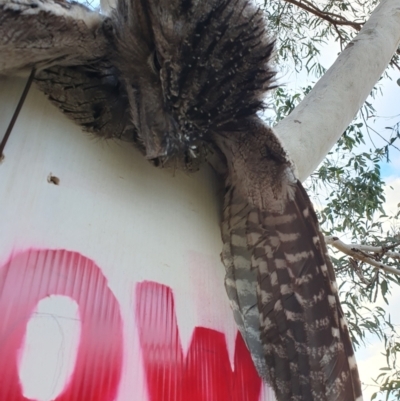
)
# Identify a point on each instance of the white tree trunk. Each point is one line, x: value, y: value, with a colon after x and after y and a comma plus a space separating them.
x: 315, y: 125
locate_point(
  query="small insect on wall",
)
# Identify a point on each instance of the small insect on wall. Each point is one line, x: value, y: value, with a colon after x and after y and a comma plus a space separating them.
x: 111, y: 284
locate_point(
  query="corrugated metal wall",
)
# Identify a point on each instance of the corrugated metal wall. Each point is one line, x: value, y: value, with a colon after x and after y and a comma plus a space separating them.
x: 111, y: 284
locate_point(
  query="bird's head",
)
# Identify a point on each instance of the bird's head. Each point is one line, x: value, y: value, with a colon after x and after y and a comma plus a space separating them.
x: 191, y: 68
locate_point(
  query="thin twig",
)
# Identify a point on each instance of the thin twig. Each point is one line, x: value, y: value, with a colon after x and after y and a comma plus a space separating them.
x: 359, y: 272
x: 338, y: 20
x: 16, y: 113
x: 334, y: 19
x: 382, y: 137
x: 367, y: 127
x: 342, y: 41
x: 359, y: 252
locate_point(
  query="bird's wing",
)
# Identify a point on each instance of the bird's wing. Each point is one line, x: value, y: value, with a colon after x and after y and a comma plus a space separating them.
x: 68, y: 46
x: 241, y: 279
x: 92, y: 96
x: 302, y: 331
x: 43, y: 33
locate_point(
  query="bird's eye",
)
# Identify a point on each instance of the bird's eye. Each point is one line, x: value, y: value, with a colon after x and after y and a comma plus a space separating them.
x: 154, y: 62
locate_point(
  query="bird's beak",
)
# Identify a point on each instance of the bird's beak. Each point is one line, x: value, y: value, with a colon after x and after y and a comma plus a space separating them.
x: 155, y: 146
x: 161, y: 141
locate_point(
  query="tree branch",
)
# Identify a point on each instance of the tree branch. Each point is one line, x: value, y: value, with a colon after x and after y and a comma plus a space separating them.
x: 335, y: 20
x: 360, y: 252
x: 332, y: 18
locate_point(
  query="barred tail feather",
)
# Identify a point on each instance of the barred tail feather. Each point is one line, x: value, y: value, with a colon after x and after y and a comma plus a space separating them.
x: 306, y: 345
x: 240, y: 279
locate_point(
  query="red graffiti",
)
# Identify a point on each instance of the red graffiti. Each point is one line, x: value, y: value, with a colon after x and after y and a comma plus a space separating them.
x: 31, y: 276
x: 205, y: 374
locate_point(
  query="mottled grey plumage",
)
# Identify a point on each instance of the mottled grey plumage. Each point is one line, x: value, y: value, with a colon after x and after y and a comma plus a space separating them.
x: 277, y: 261
x: 179, y: 77
x: 272, y: 242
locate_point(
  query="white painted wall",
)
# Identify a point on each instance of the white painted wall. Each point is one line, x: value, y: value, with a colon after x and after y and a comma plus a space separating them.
x: 134, y: 221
